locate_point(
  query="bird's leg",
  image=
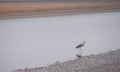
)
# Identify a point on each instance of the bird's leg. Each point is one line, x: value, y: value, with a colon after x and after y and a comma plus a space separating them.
x: 79, y: 51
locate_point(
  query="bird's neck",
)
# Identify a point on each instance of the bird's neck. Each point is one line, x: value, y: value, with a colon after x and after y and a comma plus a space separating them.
x: 83, y: 43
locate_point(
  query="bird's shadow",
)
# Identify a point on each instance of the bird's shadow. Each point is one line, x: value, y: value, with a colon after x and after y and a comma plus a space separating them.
x: 78, y: 56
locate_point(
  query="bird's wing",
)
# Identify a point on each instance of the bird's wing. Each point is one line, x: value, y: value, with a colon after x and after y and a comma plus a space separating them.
x: 78, y: 46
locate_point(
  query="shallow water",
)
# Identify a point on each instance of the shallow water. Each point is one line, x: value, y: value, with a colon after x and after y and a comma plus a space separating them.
x: 32, y: 42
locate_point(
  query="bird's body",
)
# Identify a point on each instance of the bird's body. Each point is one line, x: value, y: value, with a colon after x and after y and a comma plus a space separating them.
x: 81, y: 45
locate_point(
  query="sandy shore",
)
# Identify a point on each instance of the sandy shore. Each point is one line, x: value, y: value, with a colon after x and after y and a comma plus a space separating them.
x: 107, y: 62
x: 29, y: 9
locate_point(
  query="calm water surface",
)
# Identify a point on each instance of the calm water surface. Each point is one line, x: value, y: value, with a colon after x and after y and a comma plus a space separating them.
x: 33, y: 42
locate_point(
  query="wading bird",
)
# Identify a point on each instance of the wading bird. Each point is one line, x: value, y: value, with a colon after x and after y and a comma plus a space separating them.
x: 79, y: 49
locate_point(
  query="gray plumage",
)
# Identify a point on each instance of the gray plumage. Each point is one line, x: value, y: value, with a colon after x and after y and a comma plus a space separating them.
x: 80, y: 45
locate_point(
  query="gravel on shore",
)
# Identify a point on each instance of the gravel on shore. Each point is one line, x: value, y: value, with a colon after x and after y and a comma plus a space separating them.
x: 106, y: 62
